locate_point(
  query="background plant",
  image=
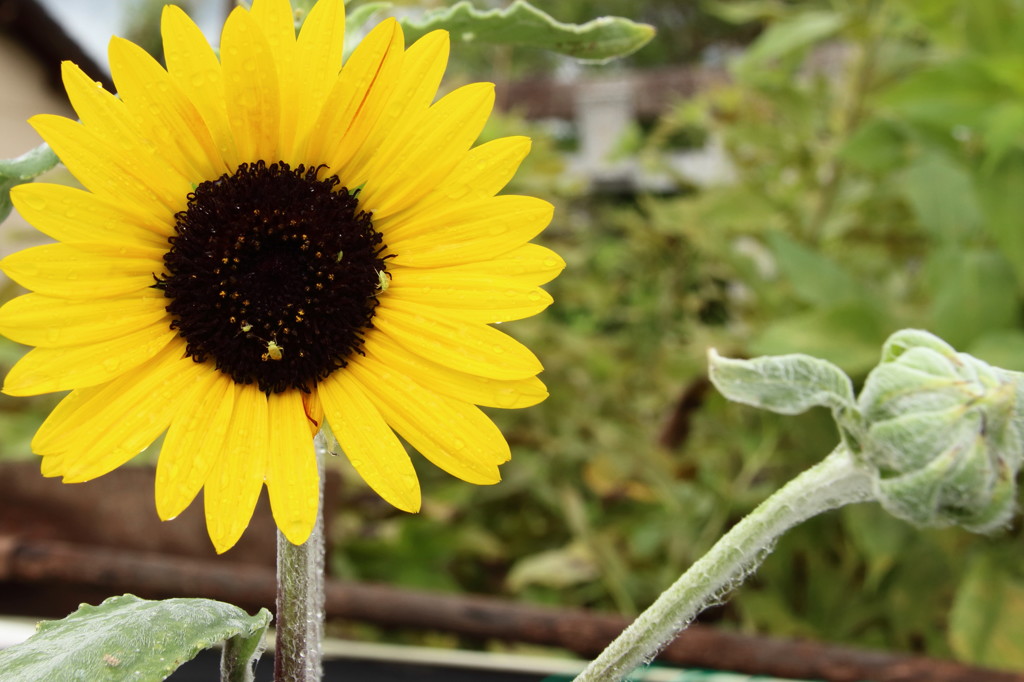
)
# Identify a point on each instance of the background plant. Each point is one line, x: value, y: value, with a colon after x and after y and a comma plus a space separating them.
x: 878, y: 159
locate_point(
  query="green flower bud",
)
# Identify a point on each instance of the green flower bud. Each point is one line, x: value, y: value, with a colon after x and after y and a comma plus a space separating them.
x: 943, y: 432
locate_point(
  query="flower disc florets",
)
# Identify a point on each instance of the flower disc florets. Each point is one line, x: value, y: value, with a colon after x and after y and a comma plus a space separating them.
x: 272, y: 274
x: 944, y: 431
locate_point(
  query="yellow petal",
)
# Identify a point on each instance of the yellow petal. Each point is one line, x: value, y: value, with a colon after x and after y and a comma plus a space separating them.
x: 292, y: 476
x: 425, y: 62
x: 453, y: 434
x: 36, y: 320
x: 250, y: 88
x: 318, y: 53
x: 275, y: 20
x: 418, y: 156
x: 481, y: 173
x: 43, y: 370
x: 528, y: 265
x: 409, y: 93
x: 194, y: 442
x: 358, y: 97
x: 115, y: 172
x: 195, y: 68
x: 69, y: 214
x: 58, y: 427
x: 467, y: 296
x: 234, y: 483
x: 469, y: 232
x: 466, y: 347
x: 169, y: 119
x: 510, y: 394
x: 122, y: 143
x: 369, y: 443
x: 99, y: 430
x: 277, y: 24
x: 133, y: 433
x: 54, y: 465
x: 84, y: 271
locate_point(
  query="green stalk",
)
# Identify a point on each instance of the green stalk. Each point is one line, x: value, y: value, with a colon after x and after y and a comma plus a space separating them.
x: 300, y: 597
x: 833, y: 483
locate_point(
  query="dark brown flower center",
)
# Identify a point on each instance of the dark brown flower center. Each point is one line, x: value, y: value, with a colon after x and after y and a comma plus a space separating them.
x: 273, y: 275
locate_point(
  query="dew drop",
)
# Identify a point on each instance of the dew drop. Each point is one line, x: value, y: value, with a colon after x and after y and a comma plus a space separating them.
x: 505, y: 397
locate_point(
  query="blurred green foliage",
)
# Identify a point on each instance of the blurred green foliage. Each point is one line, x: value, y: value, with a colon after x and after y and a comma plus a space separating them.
x: 878, y: 153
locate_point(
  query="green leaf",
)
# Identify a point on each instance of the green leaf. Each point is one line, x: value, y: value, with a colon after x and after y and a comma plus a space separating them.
x: 787, y: 384
x: 975, y: 290
x: 993, y: 27
x: 1002, y: 202
x: 941, y: 196
x: 521, y: 23
x: 792, y: 34
x: 130, y: 638
x: 986, y: 624
x: 744, y: 12
x: 23, y: 169
x: 1000, y: 348
x: 958, y: 93
x: 880, y: 538
x: 877, y: 146
x: 560, y: 568
x: 1004, y: 129
x: 816, y: 278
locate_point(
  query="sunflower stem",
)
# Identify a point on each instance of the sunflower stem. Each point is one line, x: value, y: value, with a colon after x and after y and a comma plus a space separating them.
x: 832, y: 483
x: 300, y: 597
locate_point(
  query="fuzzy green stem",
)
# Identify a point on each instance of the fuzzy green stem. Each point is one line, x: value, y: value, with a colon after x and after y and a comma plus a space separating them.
x: 300, y: 597
x: 833, y: 483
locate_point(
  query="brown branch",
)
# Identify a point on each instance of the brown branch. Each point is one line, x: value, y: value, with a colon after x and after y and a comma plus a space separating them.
x: 26, y: 563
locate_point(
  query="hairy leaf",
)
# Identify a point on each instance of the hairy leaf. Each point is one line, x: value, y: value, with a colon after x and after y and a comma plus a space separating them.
x: 521, y: 23
x: 130, y: 638
x: 787, y: 384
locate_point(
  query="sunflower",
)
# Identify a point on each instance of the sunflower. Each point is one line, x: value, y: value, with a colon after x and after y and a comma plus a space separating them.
x: 266, y: 240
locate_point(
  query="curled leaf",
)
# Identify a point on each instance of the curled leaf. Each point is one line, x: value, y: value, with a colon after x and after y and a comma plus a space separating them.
x: 521, y: 23
x: 130, y: 638
x: 787, y: 384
